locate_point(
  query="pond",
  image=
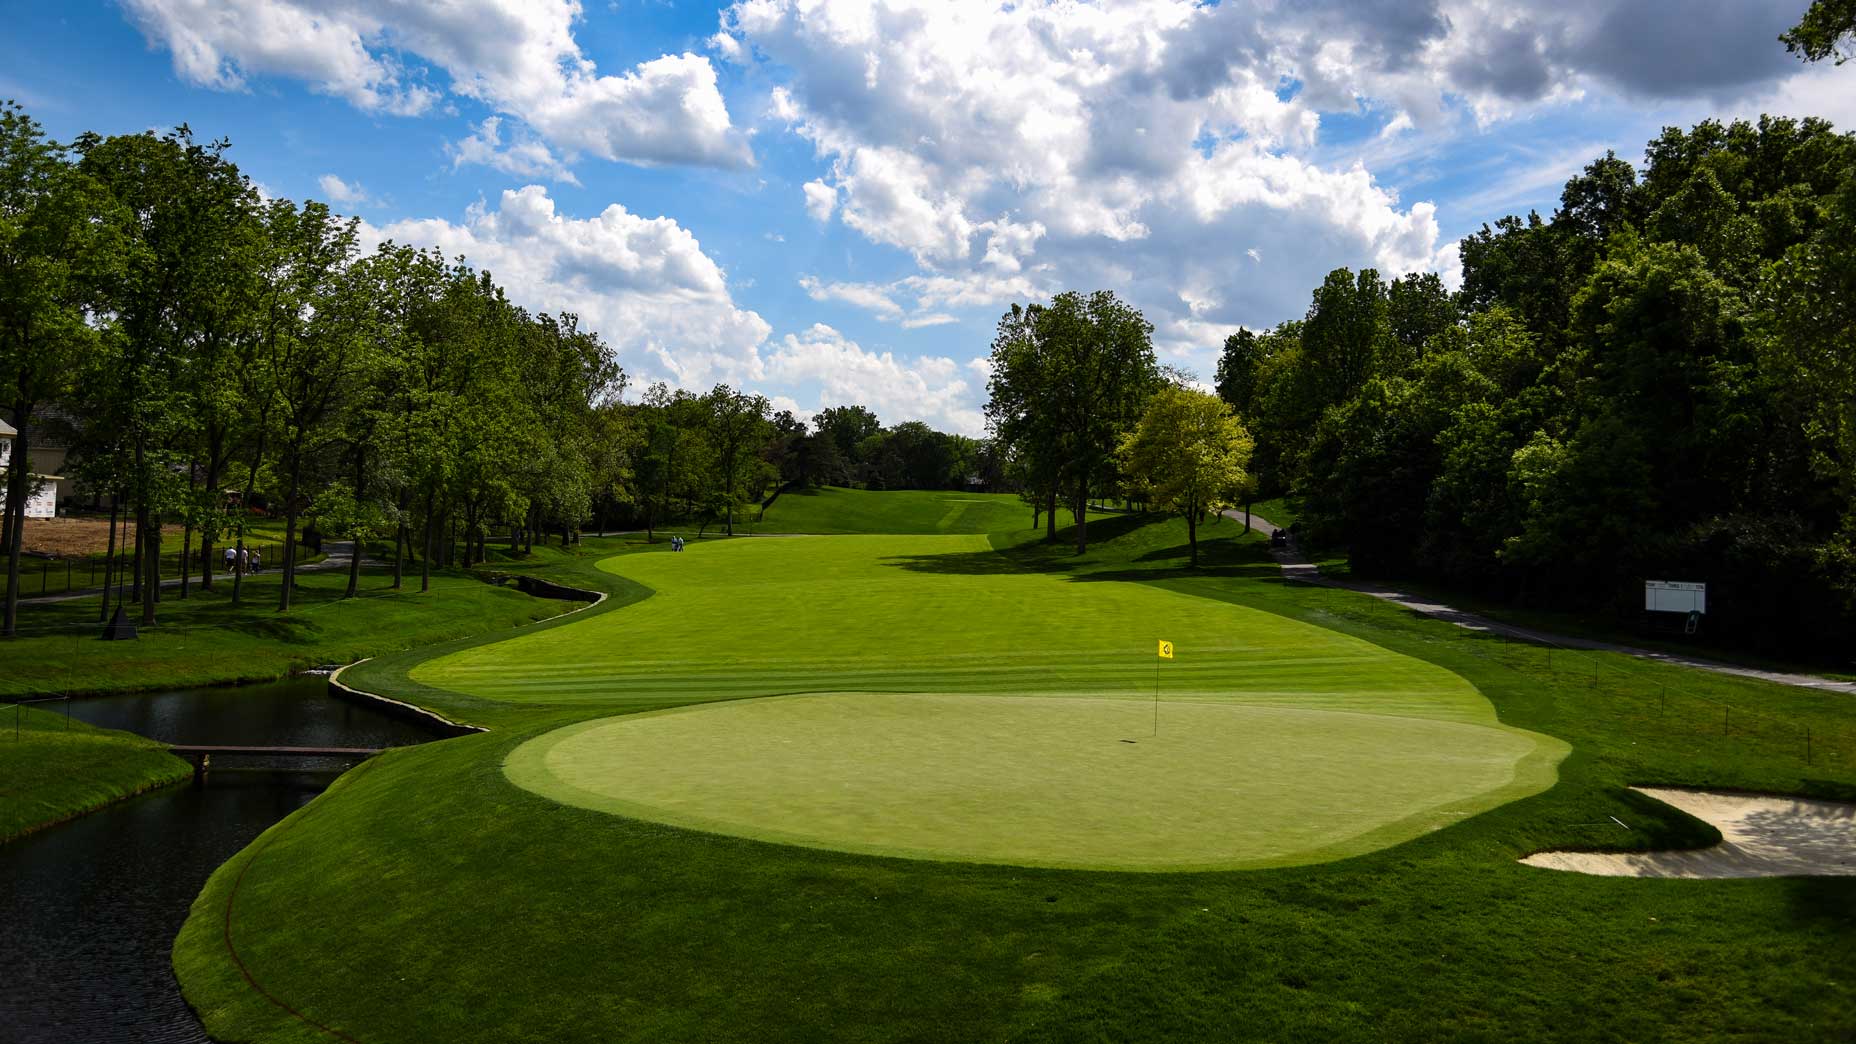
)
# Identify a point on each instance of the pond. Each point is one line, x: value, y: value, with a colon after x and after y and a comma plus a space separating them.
x: 90, y: 908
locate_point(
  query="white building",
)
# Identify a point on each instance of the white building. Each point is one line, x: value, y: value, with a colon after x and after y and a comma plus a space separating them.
x: 43, y: 501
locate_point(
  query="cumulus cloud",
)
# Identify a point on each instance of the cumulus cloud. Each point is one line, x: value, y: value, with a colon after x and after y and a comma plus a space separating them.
x: 526, y: 158
x: 340, y: 192
x: 516, y: 56
x: 644, y: 283
x: 930, y: 388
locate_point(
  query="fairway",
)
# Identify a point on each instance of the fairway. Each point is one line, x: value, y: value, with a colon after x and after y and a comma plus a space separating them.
x: 979, y: 712
x: 1039, y: 781
x: 767, y: 617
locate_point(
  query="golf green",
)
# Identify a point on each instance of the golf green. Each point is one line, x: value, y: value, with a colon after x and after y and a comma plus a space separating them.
x: 942, y: 703
x: 1040, y: 781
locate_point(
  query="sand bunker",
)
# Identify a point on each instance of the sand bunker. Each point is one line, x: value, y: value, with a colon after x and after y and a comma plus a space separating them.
x: 1762, y: 835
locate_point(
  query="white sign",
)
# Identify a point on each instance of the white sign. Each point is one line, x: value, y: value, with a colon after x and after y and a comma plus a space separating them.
x: 1674, y: 596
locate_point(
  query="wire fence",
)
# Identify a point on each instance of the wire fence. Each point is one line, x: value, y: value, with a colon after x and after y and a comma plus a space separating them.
x: 20, y: 706
x: 40, y: 577
x: 1654, y: 701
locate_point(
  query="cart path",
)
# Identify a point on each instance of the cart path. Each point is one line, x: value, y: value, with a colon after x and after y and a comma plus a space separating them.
x: 1298, y: 568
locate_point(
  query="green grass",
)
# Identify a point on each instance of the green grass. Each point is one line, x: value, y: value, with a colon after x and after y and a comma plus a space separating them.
x: 1281, y: 511
x: 206, y: 640
x: 53, y: 768
x: 1041, y: 781
x: 426, y: 897
x: 835, y: 510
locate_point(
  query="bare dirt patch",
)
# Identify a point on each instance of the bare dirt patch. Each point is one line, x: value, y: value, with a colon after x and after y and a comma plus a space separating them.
x: 65, y: 537
x: 1762, y: 835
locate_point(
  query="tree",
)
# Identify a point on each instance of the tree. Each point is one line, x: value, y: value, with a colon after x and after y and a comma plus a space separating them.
x: 315, y: 343
x: 737, y: 426
x: 57, y: 237
x: 1189, y: 454
x: 1827, y: 29
x: 1101, y: 369
x: 1237, y: 370
x: 1021, y: 411
x: 847, y: 427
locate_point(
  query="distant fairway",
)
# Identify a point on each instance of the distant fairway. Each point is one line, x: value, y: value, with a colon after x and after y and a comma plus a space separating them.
x: 932, y: 614
x: 833, y: 510
x: 1279, y: 742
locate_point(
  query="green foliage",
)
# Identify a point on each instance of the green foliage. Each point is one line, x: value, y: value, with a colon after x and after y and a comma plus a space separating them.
x: 1643, y: 385
x: 1188, y: 454
x: 1827, y: 29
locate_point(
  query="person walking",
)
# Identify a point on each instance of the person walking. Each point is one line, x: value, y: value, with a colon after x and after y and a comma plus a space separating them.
x: 257, y: 560
x: 231, y: 557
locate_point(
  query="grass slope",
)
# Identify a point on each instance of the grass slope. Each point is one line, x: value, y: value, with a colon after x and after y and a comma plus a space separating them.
x: 835, y: 510
x: 427, y: 898
x: 206, y: 640
x: 931, y: 614
x: 54, y: 768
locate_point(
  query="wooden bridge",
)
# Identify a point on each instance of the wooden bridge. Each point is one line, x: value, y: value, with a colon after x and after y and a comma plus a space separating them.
x: 202, y: 754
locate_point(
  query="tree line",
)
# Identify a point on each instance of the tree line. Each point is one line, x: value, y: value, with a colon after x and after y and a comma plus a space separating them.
x: 207, y: 351
x: 1658, y: 381
x: 1082, y: 410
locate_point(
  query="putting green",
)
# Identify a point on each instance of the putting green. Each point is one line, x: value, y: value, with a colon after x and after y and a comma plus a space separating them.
x: 975, y: 711
x: 1041, y: 781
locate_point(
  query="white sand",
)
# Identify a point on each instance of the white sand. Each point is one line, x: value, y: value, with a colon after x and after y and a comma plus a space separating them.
x: 1761, y: 836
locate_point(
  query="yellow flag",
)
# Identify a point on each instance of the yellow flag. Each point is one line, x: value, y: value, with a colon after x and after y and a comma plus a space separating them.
x: 1166, y: 649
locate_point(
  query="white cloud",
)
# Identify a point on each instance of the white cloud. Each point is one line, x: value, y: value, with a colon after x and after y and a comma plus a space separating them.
x: 517, y: 56
x: 341, y: 193
x: 930, y: 388
x: 873, y: 299
x: 1016, y: 150
x: 916, y: 322
x: 643, y: 283
x: 526, y: 158
x: 1153, y: 147
x: 821, y: 200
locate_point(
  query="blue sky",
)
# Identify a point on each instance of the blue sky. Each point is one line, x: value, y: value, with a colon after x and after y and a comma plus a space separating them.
x: 833, y: 202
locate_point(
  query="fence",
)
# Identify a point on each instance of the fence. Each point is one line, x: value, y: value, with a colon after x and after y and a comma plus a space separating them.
x: 1643, y: 697
x: 20, y: 705
x: 56, y: 576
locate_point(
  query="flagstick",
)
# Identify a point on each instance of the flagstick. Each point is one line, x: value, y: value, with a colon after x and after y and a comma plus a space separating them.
x: 1156, y: 696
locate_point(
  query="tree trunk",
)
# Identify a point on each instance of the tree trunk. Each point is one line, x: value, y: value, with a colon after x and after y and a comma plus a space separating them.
x: 290, y: 517
x: 206, y: 532
x: 1246, y: 515
x: 140, y: 526
x: 151, y: 538
x: 186, y: 540
x: 109, y: 562
x: 425, y: 557
x: 399, y: 552
x: 16, y: 479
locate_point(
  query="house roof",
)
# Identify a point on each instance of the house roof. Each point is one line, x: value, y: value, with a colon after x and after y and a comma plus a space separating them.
x: 7, y: 430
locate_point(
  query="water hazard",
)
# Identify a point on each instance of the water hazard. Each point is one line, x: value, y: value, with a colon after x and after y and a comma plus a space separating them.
x: 90, y: 908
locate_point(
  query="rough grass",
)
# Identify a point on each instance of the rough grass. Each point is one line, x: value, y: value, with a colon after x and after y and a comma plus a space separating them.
x: 206, y: 640
x: 53, y: 768
x: 427, y: 898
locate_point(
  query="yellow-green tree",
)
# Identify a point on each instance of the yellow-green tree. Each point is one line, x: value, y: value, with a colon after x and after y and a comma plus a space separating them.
x: 1189, y: 453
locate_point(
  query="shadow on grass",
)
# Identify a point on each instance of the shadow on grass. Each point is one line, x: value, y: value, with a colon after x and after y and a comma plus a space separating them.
x: 1110, y: 557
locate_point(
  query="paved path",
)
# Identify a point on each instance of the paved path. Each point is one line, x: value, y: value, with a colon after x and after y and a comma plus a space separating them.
x: 1296, y: 567
x: 340, y: 551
